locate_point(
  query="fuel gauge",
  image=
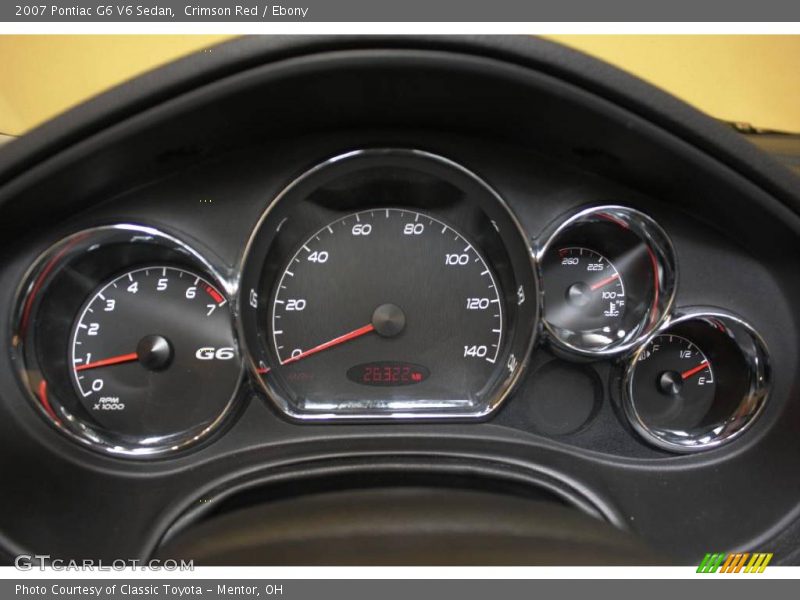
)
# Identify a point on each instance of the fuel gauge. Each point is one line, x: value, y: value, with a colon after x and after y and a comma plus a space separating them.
x: 698, y: 383
x: 673, y: 383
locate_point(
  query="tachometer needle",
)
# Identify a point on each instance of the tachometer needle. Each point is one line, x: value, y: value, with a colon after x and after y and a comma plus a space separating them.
x: 693, y: 371
x: 604, y: 282
x: 114, y: 360
x: 356, y: 333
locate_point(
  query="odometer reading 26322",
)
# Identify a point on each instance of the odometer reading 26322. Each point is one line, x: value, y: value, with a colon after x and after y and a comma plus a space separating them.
x: 386, y: 287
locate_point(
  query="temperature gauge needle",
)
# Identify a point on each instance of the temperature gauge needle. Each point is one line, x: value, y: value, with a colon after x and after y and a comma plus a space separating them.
x: 114, y: 360
x: 356, y: 333
x: 695, y: 370
x: 604, y: 282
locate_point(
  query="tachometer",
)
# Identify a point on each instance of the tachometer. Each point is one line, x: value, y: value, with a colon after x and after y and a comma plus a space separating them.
x: 143, y: 348
x: 126, y: 341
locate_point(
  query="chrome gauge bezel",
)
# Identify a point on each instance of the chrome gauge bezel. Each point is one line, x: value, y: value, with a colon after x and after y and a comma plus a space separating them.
x: 664, y: 257
x: 756, y: 358
x: 253, y: 355
x: 31, y: 374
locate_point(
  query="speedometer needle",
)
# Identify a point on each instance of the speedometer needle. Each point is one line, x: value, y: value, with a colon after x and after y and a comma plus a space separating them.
x: 697, y: 369
x: 356, y: 333
x: 114, y: 360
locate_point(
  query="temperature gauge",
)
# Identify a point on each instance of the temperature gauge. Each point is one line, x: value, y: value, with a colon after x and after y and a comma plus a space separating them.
x: 608, y: 276
x: 584, y: 292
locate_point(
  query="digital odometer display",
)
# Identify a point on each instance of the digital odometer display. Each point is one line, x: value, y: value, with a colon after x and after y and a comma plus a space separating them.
x: 387, y: 373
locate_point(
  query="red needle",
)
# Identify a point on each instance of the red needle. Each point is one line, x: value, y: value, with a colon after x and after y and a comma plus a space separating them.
x: 605, y: 281
x: 697, y: 369
x: 334, y: 342
x: 114, y: 360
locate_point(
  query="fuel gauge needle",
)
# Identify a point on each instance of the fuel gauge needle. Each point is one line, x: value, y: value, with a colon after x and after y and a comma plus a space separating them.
x: 695, y: 370
x: 114, y: 360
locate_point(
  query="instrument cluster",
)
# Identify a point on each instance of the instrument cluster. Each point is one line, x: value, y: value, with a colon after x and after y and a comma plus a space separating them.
x: 384, y: 285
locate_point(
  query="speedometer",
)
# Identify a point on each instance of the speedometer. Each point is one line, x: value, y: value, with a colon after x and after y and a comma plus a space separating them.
x: 423, y: 305
x: 393, y: 286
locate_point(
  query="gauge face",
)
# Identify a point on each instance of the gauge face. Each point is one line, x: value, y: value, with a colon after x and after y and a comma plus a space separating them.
x: 390, y: 298
x: 152, y: 353
x: 698, y: 384
x: 673, y: 385
x: 608, y: 278
x: 388, y: 283
x: 584, y: 293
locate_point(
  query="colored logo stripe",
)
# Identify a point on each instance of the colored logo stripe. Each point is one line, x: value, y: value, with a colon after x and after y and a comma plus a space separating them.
x: 734, y: 563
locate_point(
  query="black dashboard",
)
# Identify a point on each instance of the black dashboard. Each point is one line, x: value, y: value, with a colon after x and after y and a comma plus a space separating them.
x: 300, y: 265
